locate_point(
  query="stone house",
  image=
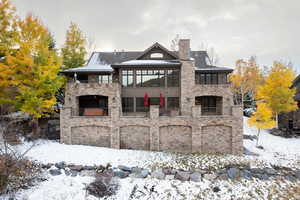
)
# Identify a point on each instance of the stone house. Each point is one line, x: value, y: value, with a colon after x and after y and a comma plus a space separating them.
x: 290, y: 122
x: 152, y: 100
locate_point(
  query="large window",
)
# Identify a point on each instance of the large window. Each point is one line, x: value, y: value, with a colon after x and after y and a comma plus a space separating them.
x: 127, y: 104
x: 127, y: 78
x: 150, y: 78
x: 172, y: 102
x: 173, y: 78
x: 140, y: 105
x: 211, y: 78
x: 105, y: 79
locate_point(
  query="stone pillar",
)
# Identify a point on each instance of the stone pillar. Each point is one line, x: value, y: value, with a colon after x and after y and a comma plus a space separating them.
x: 196, y: 111
x: 115, y: 130
x: 65, y: 128
x: 154, y: 112
x: 187, y: 84
x: 196, y: 139
x: 237, y: 130
x: 154, y: 138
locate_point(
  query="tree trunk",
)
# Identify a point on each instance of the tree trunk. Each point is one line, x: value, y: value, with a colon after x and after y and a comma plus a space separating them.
x: 257, y: 137
x: 36, y: 128
x: 276, y: 118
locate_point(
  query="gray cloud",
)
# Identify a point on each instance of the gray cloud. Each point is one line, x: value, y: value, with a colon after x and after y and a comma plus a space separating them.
x: 236, y: 29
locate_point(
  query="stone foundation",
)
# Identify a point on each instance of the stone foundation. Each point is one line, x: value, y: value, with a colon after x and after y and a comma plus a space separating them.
x: 190, y: 133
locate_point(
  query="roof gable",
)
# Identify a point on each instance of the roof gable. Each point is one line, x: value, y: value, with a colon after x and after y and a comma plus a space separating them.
x: 154, y: 49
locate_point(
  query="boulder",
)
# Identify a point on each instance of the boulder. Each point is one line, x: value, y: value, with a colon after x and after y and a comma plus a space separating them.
x: 196, y: 177
x: 143, y: 174
x: 121, y: 174
x: 170, y: 177
x: 73, y: 173
x: 183, y: 176
x: 88, y: 173
x: 159, y: 174
x: 216, y: 189
x: 233, y: 173
x: 246, y: 174
x: 124, y: 168
x: 55, y: 172
x: 297, y: 174
x: 75, y: 167
x: 270, y: 171
x: 60, y: 165
x: 136, y: 170
x: 168, y: 171
x: 210, y: 177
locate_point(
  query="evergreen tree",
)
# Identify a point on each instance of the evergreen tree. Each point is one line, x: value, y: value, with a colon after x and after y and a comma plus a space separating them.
x: 74, y: 50
x: 276, y: 91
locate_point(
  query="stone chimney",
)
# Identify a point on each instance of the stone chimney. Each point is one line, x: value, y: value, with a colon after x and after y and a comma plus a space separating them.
x: 184, y: 49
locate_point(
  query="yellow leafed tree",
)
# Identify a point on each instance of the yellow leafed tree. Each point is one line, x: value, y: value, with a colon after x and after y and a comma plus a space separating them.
x: 276, y: 91
x: 245, y: 79
x: 35, y: 69
x: 262, y: 118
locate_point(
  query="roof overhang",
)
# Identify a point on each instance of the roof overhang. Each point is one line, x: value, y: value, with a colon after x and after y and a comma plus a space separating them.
x: 148, y: 63
x: 89, y: 69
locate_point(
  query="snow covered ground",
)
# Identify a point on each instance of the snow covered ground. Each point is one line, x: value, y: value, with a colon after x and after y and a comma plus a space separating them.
x: 277, y: 151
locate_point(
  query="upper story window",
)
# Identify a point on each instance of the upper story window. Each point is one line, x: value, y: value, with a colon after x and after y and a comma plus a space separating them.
x: 105, y: 79
x: 173, y: 78
x: 150, y: 78
x: 211, y: 78
x: 156, y: 55
x: 127, y: 78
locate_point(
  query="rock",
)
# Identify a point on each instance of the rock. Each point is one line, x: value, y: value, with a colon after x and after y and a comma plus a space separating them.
x: 67, y: 172
x: 196, y: 177
x: 210, y: 177
x: 158, y: 174
x: 124, y: 168
x: 270, y: 171
x: 257, y: 171
x: 260, y: 147
x: 168, y: 171
x: 75, y: 167
x: 223, y: 176
x: 216, y: 189
x: 233, y: 173
x: 246, y: 174
x: 297, y: 174
x: 87, y: 173
x: 73, y: 173
x: 89, y: 168
x: 291, y: 178
x: 55, y: 172
x: 183, y: 176
x: 136, y: 170
x: 263, y: 177
x: 143, y: 174
x: 170, y: 177
x: 60, y: 165
x: 121, y: 174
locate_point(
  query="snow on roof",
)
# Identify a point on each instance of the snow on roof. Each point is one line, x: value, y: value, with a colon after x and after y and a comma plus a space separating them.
x: 213, y: 68
x: 93, y: 66
x: 150, y: 62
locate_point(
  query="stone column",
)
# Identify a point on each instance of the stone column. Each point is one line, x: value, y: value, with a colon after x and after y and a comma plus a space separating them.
x: 196, y: 138
x: 196, y: 111
x: 237, y: 130
x: 65, y: 127
x: 154, y: 129
x: 115, y: 130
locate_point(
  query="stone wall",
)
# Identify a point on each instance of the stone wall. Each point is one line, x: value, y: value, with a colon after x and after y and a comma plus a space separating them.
x: 194, y: 133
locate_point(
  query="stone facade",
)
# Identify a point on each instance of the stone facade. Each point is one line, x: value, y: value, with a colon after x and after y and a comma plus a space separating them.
x: 189, y: 132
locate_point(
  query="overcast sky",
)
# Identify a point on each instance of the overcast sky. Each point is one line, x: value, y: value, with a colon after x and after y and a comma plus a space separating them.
x: 268, y: 29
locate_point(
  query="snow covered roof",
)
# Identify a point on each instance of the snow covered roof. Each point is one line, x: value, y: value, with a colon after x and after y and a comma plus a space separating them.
x: 93, y: 66
x: 149, y: 63
x: 211, y: 68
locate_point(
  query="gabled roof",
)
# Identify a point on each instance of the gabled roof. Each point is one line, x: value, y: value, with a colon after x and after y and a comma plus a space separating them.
x: 156, y: 45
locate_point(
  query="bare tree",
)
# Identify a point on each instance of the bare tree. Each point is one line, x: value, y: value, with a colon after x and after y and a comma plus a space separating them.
x: 175, y: 43
x: 211, y: 52
x: 91, y: 45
